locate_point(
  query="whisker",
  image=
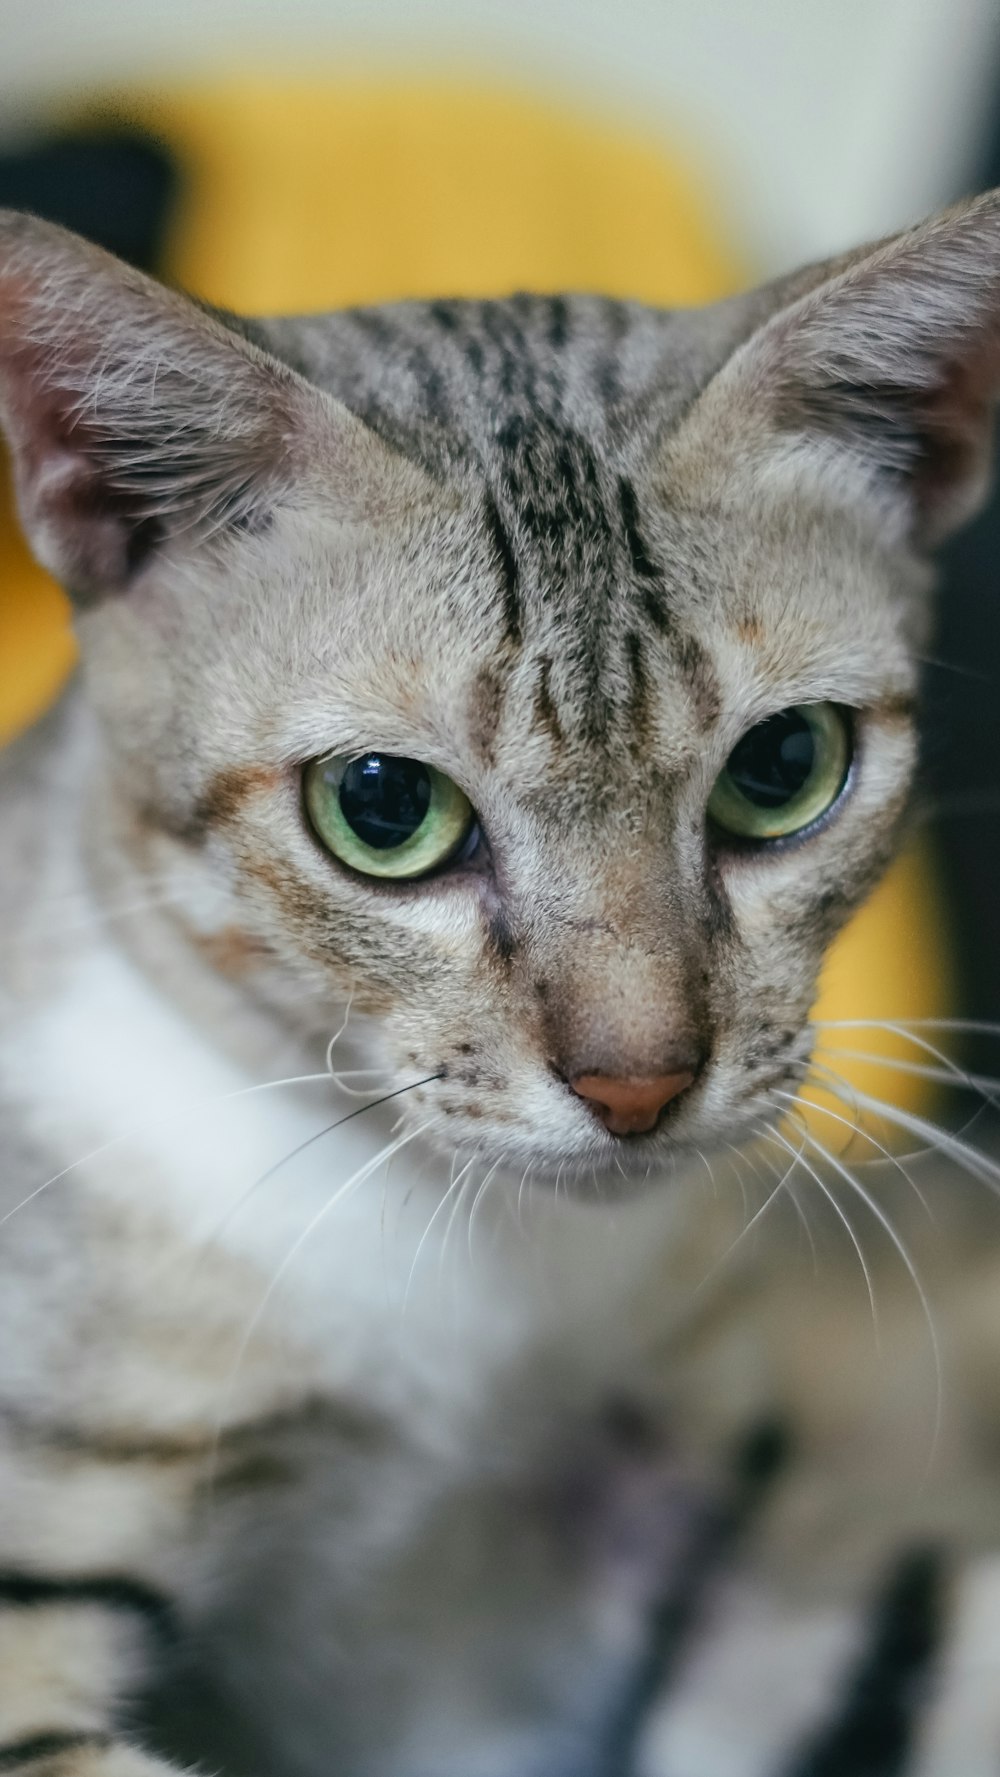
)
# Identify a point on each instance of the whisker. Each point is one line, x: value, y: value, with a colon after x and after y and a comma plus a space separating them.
x: 959, y: 1079
x: 951, y: 1074
x: 421, y: 1243
x: 841, y: 1215
x: 338, y: 1033
x: 874, y: 1208
x: 969, y: 1160
x: 756, y: 1217
x: 461, y: 1180
x: 748, y: 1160
x: 707, y: 1164
x: 928, y: 1048
x: 793, y: 1198
x: 735, y: 1166
x: 310, y: 1141
x: 480, y: 1194
x: 956, y: 1076
x: 905, y: 1026
x: 561, y: 1168
x: 162, y: 1117
x: 375, y: 1076
x: 981, y: 1086
x: 357, y: 1178
x: 48, y: 931
x: 520, y: 1193
x: 829, y: 1079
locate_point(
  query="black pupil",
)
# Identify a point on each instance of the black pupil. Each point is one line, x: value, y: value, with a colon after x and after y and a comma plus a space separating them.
x: 384, y: 799
x: 770, y: 765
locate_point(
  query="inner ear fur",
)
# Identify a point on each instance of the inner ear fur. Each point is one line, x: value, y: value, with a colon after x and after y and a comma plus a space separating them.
x: 135, y: 415
x: 893, y: 356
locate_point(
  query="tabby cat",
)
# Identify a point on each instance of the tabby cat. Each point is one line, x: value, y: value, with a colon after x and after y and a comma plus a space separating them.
x: 488, y: 714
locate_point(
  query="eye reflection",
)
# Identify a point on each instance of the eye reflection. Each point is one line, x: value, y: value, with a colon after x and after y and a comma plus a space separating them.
x: 784, y: 773
x: 386, y: 815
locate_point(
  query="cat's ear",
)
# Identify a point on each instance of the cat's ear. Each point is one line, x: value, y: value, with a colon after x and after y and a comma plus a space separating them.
x: 136, y: 417
x: 891, y: 362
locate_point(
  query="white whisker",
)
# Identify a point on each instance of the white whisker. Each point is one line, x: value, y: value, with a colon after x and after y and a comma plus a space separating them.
x: 310, y: 1141
x: 772, y: 1197
x: 950, y: 1074
x: 421, y: 1243
x: 969, y: 1160
x: 904, y: 1027
x: 153, y: 1122
x: 49, y: 932
x: 765, y: 1134
x: 520, y: 1193
x: 874, y: 1208
x: 829, y: 1080
x: 480, y: 1194
x: 357, y: 1178
x: 842, y: 1217
x: 459, y: 1182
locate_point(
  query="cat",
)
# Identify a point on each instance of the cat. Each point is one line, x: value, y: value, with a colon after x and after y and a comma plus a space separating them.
x: 491, y: 710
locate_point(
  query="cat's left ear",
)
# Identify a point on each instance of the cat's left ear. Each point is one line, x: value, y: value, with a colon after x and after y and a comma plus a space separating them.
x: 891, y: 365
x: 140, y: 421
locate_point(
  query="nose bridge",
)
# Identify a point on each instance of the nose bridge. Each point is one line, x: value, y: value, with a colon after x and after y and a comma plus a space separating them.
x: 619, y: 978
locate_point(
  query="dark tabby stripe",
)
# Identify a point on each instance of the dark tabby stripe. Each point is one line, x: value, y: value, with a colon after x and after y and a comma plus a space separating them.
x: 546, y: 713
x: 872, y: 1732
x: 639, y: 555
x: 758, y: 1462
x: 38, y: 1746
x: 31, y: 1591
x: 639, y: 696
x: 445, y: 314
x: 608, y: 374
x: 558, y: 322
x: 503, y: 549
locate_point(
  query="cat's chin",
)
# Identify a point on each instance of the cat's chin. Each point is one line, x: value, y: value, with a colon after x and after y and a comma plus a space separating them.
x: 603, y: 1173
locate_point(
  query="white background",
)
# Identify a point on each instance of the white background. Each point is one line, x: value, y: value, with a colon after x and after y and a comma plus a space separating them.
x: 820, y: 121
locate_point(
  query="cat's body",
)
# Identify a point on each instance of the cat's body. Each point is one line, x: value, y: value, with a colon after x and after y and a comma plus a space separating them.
x: 374, y: 1432
x: 420, y: 1433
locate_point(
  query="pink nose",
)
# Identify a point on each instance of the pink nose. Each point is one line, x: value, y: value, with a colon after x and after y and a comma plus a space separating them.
x: 630, y: 1107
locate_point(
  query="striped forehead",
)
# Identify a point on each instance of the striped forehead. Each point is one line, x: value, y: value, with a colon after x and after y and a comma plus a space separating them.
x: 540, y: 405
x: 578, y: 589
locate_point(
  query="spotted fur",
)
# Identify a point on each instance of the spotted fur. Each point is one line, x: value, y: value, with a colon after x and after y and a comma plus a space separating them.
x: 357, y: 1437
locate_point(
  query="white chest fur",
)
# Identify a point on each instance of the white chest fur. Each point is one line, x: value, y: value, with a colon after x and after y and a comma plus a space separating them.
x: 353, y: 1243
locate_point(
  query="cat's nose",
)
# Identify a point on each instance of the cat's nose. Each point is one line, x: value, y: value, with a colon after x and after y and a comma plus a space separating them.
x: 630, y: 1106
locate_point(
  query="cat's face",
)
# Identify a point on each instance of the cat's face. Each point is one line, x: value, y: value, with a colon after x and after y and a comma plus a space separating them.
x: 572, y: 607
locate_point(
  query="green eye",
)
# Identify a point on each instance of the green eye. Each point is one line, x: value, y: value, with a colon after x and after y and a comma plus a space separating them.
x: 783, y: 774
x: 384, y: 815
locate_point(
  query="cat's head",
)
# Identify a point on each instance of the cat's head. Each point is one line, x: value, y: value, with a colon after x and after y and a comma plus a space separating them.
x: 538, y: 675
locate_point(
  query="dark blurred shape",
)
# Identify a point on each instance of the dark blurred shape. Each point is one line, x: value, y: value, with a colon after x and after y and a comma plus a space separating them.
x: 962, y: 745
x: 116, y: 185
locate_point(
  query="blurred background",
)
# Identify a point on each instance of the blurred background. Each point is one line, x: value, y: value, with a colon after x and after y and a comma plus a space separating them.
x: 316, y: 152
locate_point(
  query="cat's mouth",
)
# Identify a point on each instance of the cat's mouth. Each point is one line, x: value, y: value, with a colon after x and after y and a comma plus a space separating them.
x: 621, y: 1132
x: 566, y: 1133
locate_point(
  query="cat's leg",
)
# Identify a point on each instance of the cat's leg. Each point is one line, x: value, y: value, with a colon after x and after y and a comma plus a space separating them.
x: 775, y: 1683
x: 87, y: 1604
x: 68, y: 1661
x: 960, y: 1731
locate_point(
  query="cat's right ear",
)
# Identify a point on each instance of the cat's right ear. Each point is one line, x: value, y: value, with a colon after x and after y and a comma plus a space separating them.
x: 136, y: 417
x: 880, y: 370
